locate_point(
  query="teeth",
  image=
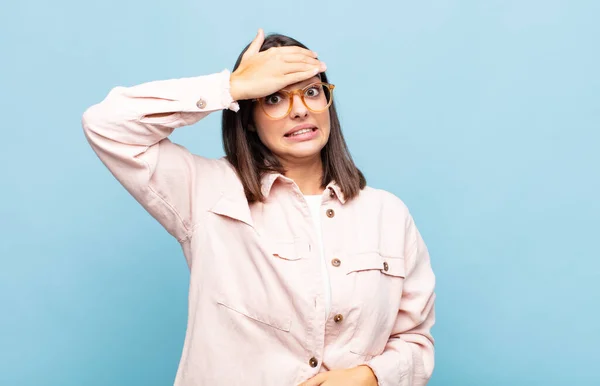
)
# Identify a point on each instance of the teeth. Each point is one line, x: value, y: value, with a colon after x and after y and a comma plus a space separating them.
x: 301, y: 132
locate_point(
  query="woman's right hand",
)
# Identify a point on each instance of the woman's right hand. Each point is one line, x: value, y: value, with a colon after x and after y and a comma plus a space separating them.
x: 263, y: 73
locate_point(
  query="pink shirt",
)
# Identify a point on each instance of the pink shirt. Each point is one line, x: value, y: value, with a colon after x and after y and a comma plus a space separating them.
x: 257, y: 291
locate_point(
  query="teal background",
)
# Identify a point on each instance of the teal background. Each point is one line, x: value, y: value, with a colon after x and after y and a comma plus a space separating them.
x: 483, y: 116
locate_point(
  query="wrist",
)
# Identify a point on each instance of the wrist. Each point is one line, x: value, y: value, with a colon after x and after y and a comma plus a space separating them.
x: 234, y: 88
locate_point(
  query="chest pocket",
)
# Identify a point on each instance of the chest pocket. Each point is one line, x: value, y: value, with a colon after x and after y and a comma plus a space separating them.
x: 253, y: 295
x: 378, y: 282
x: 259, y: 293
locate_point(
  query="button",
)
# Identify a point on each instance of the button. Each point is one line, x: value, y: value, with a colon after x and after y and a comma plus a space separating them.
x: 331, y: 193
x: 336, y: 262
x: 338, y: 318
x: 330, y: 213
x: 201, y: 103
x: 385, y: 266
x: 313, y: 362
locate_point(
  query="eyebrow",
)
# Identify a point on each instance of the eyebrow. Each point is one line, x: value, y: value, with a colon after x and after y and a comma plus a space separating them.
x: 307, y: 84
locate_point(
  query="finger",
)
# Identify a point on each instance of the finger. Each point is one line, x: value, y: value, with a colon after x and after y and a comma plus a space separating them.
x: 256, y: 43
x: 291, y: 68
x: 300, y: 58
x: 315, y: 381
x: 300, y: 76
x: 293, y: 50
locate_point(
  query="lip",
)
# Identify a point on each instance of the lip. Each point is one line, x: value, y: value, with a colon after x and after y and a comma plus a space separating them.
x: 300, y: 127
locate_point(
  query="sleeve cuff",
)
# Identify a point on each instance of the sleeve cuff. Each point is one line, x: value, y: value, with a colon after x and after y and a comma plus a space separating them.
x: 393, y: 368
x: 226, y: 98
x: 204, y: 93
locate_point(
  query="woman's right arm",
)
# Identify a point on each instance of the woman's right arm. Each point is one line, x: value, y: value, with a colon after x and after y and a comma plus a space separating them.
x: 128, y: 130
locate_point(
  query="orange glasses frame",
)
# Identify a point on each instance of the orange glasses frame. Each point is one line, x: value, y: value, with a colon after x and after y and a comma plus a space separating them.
x: 300, y: 92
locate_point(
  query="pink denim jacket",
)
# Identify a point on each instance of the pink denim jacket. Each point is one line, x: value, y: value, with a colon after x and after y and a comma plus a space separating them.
x: 256, y: 295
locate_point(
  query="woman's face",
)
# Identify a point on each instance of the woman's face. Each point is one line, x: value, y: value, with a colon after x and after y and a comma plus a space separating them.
x: 277, y: 134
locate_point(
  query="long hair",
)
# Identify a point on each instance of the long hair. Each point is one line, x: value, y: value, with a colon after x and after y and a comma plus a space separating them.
x: 252, y: 159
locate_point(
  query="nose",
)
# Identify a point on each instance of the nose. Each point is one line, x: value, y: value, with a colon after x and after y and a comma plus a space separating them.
x: 299, y: 110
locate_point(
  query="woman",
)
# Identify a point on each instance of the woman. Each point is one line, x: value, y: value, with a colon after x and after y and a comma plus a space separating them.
x: 299, y: 273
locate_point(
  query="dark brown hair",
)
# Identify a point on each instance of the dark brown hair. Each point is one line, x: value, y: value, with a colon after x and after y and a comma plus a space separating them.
x: 252, y: 159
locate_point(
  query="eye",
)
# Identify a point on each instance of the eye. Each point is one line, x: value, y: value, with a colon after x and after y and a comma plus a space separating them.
x: 273, y: 99
x: 313, y: 91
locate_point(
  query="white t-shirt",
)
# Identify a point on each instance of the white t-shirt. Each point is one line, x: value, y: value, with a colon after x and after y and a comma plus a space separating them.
x: 314, y: 204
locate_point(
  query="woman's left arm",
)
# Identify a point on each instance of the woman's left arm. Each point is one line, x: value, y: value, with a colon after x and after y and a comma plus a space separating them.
x: 408, y: 358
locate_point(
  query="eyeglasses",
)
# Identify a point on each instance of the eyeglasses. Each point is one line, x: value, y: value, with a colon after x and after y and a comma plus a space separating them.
x: 317, y: 97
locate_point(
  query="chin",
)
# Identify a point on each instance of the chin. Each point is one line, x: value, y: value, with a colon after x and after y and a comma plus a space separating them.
x: 306, y: 153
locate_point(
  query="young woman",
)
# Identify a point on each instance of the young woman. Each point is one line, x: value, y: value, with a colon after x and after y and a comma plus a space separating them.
x: 299, y: 272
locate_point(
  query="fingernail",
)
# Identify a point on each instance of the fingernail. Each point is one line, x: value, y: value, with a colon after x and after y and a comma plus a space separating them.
x: 323, y: 66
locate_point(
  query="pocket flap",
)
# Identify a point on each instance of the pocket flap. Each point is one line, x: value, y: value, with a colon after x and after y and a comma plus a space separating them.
x: 277, y: 320
x: 363, y: 262
x: 288, y: 250
x: 392, y: 266
x: 234, y: 209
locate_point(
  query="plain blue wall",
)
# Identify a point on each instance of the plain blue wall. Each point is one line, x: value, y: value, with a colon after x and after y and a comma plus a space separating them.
x: 483, y: 116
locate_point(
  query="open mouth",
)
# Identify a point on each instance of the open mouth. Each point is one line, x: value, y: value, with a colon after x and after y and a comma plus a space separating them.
x: 301, y: 131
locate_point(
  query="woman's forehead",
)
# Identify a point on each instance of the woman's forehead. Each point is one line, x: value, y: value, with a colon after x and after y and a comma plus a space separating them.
x: 302, y: 84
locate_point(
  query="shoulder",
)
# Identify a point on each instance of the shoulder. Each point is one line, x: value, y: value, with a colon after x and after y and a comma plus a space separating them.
x: 215, y: 169
x: 215, y: 177
x: 390, y: 216
x: 384, y: 200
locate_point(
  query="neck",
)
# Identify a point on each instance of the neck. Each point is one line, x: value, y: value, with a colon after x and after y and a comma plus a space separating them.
x: 307, y: 175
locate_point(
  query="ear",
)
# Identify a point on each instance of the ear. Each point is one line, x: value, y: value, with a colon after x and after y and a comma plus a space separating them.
x: 251, y: 127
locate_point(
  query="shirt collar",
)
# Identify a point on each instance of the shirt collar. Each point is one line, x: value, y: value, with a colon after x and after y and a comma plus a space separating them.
x: 269, y: 179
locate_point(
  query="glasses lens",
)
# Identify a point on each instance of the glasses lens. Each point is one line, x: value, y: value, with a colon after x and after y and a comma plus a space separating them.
x: 317, y: 97
x: 276, y: 105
